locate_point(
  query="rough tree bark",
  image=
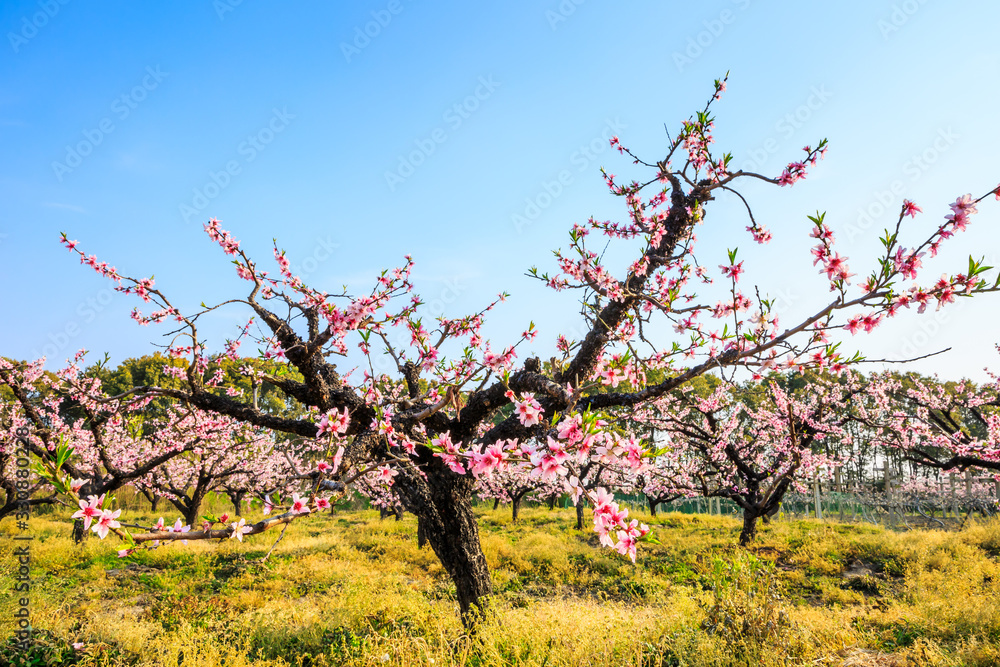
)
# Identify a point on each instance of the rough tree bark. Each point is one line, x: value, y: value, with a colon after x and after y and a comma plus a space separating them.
x: 442, y: 502
x: 421, y: 534
x: 749, y: 532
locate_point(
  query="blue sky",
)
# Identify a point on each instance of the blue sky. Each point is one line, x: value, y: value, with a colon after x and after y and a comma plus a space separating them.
x: 129, y: 125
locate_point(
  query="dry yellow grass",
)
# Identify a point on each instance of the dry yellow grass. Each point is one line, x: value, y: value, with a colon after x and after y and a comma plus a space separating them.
x: 353, y: 590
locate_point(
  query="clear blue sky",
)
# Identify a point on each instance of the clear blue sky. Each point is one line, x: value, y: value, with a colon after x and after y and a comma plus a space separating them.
x: 114, y: 121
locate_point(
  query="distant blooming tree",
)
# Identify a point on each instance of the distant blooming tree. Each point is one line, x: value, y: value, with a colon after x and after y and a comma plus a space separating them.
x: 245, y: 457
x: 443, y: 418
x: 752, y: 444
x: 511, y: 483
x: 945, y: 426
x: 89, y: 447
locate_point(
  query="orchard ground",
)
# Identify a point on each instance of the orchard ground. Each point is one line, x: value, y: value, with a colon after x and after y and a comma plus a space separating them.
x: 351, y: 589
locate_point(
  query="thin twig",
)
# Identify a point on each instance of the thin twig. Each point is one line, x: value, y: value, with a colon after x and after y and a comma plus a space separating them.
x: 268, y: 554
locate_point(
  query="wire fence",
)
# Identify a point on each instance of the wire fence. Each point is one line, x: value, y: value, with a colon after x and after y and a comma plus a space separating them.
x: 943, y: 503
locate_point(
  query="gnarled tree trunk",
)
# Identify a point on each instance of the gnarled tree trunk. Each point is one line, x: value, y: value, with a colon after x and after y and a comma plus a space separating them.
x: 442, y: 503
x: 749, y: 532
x: 652, y: 502
x: 450, y: 528
x: 579, y: 515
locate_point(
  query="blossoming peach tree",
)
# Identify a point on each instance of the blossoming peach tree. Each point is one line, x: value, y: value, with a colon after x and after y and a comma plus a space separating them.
x: 90, y: 445
x: 457, y: 408
x: 940, y: 426
x: 754, y: 442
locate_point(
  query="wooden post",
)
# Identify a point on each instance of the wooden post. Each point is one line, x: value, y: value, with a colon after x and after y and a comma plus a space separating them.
x: 887, y: 488
x: 819, y: 505
x: 996, y: 487
x: 954, y: 500
x: 840, y: 496
x: 852, y: 489
x: 968, y: 483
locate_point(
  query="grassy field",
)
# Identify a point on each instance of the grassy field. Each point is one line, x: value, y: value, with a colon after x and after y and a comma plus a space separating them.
x: 351, y: 589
